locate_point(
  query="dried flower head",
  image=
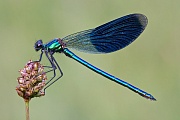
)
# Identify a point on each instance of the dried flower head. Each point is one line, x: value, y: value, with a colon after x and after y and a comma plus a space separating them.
x: 32, y: 81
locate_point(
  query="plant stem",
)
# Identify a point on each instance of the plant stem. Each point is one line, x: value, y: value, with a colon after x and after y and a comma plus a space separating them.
x: 27, y: 109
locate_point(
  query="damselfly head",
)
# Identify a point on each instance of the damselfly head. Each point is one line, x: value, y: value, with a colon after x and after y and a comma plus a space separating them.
x: 38, y: 45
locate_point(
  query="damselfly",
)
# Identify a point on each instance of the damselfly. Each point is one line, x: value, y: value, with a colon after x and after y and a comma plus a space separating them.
x: 109, y: 37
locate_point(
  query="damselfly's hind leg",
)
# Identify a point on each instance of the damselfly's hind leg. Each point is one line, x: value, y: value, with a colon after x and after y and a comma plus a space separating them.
x: 51, y: 81
x: 53, y: 67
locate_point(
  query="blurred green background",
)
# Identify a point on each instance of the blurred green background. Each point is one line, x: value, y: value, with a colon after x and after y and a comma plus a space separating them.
x: 150, y: 63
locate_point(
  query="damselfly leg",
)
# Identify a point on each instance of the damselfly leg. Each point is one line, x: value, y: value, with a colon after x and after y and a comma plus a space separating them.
x: 54, y: 66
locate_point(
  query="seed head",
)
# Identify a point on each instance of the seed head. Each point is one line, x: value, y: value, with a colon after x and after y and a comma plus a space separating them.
x: 31, y: 81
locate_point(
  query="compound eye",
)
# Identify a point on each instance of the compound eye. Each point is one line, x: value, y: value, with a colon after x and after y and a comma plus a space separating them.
x: 38, y: 45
